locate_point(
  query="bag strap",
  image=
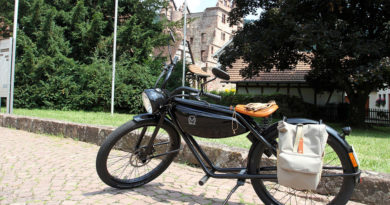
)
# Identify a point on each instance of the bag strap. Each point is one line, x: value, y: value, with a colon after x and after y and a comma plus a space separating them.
x: 298, y: 144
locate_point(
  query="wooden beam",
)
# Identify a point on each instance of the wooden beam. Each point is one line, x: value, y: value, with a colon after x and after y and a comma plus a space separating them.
x: 272, y: 86
x: 288, y: 89
x: 190, y: 51
x: 246, y: 88
x: 330, y: 96
x: 299, y: 91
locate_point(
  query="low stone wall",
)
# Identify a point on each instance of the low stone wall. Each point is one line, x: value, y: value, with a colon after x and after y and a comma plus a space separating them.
x: 374, y: 189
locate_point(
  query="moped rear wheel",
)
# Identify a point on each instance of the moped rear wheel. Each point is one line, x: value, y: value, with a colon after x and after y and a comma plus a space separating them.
x: 331, y: 190
x: 122, y: 161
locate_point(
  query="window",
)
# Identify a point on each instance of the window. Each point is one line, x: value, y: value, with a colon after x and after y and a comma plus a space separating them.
x: 212, y: 50
x: 203, y: 37
x: 223, y: 18
x: 225, y: 3
x: 191, y: 40
x: 203, y: 55
x: 223, y: 36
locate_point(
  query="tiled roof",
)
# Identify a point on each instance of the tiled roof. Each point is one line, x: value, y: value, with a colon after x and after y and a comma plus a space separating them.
x: 296, y: 75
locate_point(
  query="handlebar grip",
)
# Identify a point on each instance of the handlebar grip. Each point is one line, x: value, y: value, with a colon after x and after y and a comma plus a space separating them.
x: 213, y: 96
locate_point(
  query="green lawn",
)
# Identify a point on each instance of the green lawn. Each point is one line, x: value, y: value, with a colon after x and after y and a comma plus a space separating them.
x: 96, y: 118
x: 371, y: 145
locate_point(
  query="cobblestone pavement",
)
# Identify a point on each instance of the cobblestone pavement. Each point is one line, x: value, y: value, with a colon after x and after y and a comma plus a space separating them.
x: 38, y: 169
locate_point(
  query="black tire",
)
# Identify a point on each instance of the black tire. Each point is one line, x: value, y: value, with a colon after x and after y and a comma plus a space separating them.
x: 136, y: 171
x: 270, y: 192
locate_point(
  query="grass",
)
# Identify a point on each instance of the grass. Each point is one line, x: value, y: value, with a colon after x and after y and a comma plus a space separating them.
x: 371, y: 145
x: 96, y: 118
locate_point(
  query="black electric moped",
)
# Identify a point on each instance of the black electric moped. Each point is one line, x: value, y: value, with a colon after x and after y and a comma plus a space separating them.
x: 141, y: 149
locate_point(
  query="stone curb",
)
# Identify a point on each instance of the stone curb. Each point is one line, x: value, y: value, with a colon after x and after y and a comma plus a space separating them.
x: 374, y: 189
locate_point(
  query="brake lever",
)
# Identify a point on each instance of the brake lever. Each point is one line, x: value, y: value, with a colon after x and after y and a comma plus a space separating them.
x: 204, y: 101
x: 178, y: 96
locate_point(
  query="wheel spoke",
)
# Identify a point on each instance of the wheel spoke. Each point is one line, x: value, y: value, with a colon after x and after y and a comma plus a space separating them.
x: 112, y: 163
x: 127, y: 165
x: 327, y: 190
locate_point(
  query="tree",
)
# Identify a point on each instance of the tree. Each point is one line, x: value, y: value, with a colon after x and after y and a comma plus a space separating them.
x: 347, y: 43
x: 64, y: 52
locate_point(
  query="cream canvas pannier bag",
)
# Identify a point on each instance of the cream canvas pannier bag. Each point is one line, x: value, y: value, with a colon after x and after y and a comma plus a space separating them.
x: 300, y: 153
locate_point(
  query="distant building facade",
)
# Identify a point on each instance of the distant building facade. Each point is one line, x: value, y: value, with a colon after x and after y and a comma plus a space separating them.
x: 288, y: 82
x: 173, y: 13
x: 207, y: 32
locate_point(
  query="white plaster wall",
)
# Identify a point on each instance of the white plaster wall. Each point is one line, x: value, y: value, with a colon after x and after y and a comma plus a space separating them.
x: 375, y: 95
x: 372, y: 99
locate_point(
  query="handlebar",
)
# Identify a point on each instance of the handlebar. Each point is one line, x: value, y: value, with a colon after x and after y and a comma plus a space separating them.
x: 168, y: 70
x: 183, y: 88
x: 213, y: 96
x: 193, y: 90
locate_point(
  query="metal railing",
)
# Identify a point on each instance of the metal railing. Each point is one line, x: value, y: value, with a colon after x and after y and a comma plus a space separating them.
x: 378, y: 116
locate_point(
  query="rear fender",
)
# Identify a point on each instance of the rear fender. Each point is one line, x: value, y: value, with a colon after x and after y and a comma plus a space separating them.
x: 331, y: 131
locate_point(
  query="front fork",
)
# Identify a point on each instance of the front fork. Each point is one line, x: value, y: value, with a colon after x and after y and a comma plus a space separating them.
x: 149, y: 148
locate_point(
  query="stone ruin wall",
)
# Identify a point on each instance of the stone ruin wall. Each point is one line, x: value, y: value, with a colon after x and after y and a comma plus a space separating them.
x: 209, y: 23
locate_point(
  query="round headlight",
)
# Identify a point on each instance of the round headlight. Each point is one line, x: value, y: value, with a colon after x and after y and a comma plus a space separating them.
x: 146, y: 102
x: 153, y: 99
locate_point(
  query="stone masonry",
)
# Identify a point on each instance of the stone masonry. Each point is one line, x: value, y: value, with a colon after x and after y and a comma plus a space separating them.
x: 207, y: 33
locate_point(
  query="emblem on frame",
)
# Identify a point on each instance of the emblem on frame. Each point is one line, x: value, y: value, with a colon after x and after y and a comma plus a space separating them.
x: 192, y: 120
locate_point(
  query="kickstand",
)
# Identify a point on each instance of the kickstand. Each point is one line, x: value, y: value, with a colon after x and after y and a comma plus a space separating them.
x: 240, y: 182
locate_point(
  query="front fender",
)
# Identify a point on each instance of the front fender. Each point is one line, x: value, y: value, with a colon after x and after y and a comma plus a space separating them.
x: 153, y: 117
x: 145, y: 116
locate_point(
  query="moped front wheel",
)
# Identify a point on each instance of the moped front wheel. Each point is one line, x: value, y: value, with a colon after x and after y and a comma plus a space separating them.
x: 122, y: 161
x: 331, y: 190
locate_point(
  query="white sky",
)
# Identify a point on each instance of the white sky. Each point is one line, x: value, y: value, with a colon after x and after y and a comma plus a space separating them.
x: 201, y: 5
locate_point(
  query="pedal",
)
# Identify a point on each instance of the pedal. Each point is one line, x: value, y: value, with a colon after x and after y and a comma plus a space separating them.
x: 204, y: 180
x: 240, y: 182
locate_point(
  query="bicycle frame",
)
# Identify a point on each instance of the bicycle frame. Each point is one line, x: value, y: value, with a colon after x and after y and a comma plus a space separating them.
x: 204, y: 161
x: 172, y: 98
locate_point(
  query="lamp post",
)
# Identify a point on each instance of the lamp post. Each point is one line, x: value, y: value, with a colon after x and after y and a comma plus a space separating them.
x: 184, y: 43
x: 114, y: 59
x: 12, y: 80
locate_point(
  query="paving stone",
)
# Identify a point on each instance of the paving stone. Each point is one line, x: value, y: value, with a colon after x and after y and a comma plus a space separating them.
x: 41, y: 169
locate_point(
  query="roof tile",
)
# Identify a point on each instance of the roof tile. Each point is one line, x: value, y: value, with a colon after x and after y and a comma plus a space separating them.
x: 296, y: 75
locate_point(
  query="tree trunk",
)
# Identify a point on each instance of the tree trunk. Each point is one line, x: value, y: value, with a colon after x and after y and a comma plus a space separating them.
x: 357, y: 112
